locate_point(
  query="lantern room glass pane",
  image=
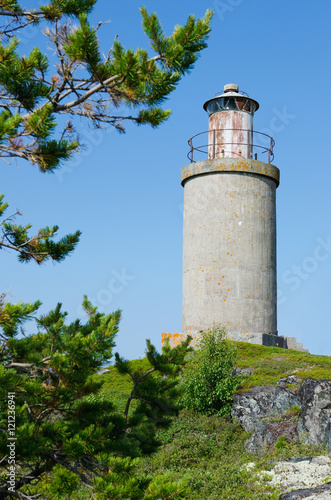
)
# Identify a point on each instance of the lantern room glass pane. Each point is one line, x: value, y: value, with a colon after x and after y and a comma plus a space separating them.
x: 231, y: 103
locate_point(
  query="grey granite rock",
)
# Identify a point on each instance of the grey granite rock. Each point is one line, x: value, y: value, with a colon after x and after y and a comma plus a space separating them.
x: 288, y: 380
x: 263, y: 410
x: 314, y: 425
x: 320, y: 493
x: 252, y: 406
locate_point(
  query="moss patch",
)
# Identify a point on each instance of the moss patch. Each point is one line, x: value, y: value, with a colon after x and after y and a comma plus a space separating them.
x: 269, y: 364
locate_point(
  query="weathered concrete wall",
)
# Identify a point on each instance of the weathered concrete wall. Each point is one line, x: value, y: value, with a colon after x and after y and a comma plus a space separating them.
x: 229, y: 246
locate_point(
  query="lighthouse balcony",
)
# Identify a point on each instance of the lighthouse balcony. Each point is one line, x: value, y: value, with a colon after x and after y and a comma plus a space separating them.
x: 231, y: 143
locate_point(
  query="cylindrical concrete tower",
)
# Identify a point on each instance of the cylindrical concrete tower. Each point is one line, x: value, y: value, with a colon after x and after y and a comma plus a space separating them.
x: 229, y: 258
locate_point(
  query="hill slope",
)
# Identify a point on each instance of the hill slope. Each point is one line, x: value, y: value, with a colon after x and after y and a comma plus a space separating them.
x: 210, y: 451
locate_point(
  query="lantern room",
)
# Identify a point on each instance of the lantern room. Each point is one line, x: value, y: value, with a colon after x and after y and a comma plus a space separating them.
x: 230, y: 124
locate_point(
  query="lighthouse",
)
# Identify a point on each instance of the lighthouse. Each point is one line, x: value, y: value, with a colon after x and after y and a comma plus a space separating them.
x: 229, y: 227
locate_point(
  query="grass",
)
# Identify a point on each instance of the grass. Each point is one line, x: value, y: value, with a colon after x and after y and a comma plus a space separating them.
x: 269, y: 364
x: 210, y: 451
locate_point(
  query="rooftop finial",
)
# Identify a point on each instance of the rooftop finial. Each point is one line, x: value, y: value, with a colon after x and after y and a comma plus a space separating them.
x: 231, y: 87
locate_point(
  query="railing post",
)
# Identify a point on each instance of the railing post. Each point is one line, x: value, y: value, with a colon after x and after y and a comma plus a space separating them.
x: 191, y: 150
x: 214, y: 145
x: 270, y: 150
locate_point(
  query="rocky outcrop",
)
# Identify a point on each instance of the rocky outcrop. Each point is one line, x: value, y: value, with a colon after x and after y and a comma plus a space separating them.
x: 314, y: 425
x: 263, y: 410
x: 271, y: 412
x: 302, y: 476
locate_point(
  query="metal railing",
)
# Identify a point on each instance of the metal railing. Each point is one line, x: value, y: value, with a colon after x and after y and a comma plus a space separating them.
x: 261, y: 143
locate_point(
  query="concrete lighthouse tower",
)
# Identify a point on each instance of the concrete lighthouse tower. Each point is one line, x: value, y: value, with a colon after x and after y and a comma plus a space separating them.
x: 229, y: 254
x: 229, y: 243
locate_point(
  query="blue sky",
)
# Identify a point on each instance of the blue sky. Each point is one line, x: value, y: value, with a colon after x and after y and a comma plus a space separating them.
x: 124, y: 191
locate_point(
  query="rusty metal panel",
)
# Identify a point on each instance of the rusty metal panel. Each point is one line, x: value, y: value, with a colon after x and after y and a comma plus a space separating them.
x: 230, y: 135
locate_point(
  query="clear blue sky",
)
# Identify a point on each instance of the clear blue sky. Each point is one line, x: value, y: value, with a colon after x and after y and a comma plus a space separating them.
x: 124, y: 191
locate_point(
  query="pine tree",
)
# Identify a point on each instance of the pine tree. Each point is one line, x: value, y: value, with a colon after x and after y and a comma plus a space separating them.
x: 125, y: 85
x: 72, y: 442
x: 66, y: 434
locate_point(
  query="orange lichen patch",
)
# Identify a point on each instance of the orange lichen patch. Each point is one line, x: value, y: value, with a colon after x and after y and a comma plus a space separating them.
x: 218, y: 283
x: 164, y: 336
x: 174, y: 338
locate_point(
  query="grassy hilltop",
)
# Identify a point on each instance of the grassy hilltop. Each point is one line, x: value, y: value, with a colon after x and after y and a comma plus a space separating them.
x: 210, y: 450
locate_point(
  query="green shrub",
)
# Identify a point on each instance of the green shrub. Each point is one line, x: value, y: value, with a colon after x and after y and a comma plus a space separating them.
x: 209, y: 382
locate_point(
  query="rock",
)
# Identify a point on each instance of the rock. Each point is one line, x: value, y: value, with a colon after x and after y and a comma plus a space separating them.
x: 301, y: 473
x: 268, y: 433
x: 288, y: 380
x: 314, y: 425
x: 319, y: 493
x: 245, y: 372
x: 300, y: 477
x: 262, y: 409
x: 259, y: 402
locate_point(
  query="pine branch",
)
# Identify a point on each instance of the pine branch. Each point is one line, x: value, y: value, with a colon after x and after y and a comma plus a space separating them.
x: 39, y: 247
x: 124, y: 78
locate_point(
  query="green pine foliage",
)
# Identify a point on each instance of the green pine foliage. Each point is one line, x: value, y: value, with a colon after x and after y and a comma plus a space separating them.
x: 9, y: 124
x: 126, y: 85
x: 40, y: 247
x: 19, y: 75
x: 10, y: 6
x: 155, y: 392
x: 87, y: 83
x: 57, y: 8
x: 209, y: 382
x: 71, y: 439
x: 179, y: 51
x: 83, y: 45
